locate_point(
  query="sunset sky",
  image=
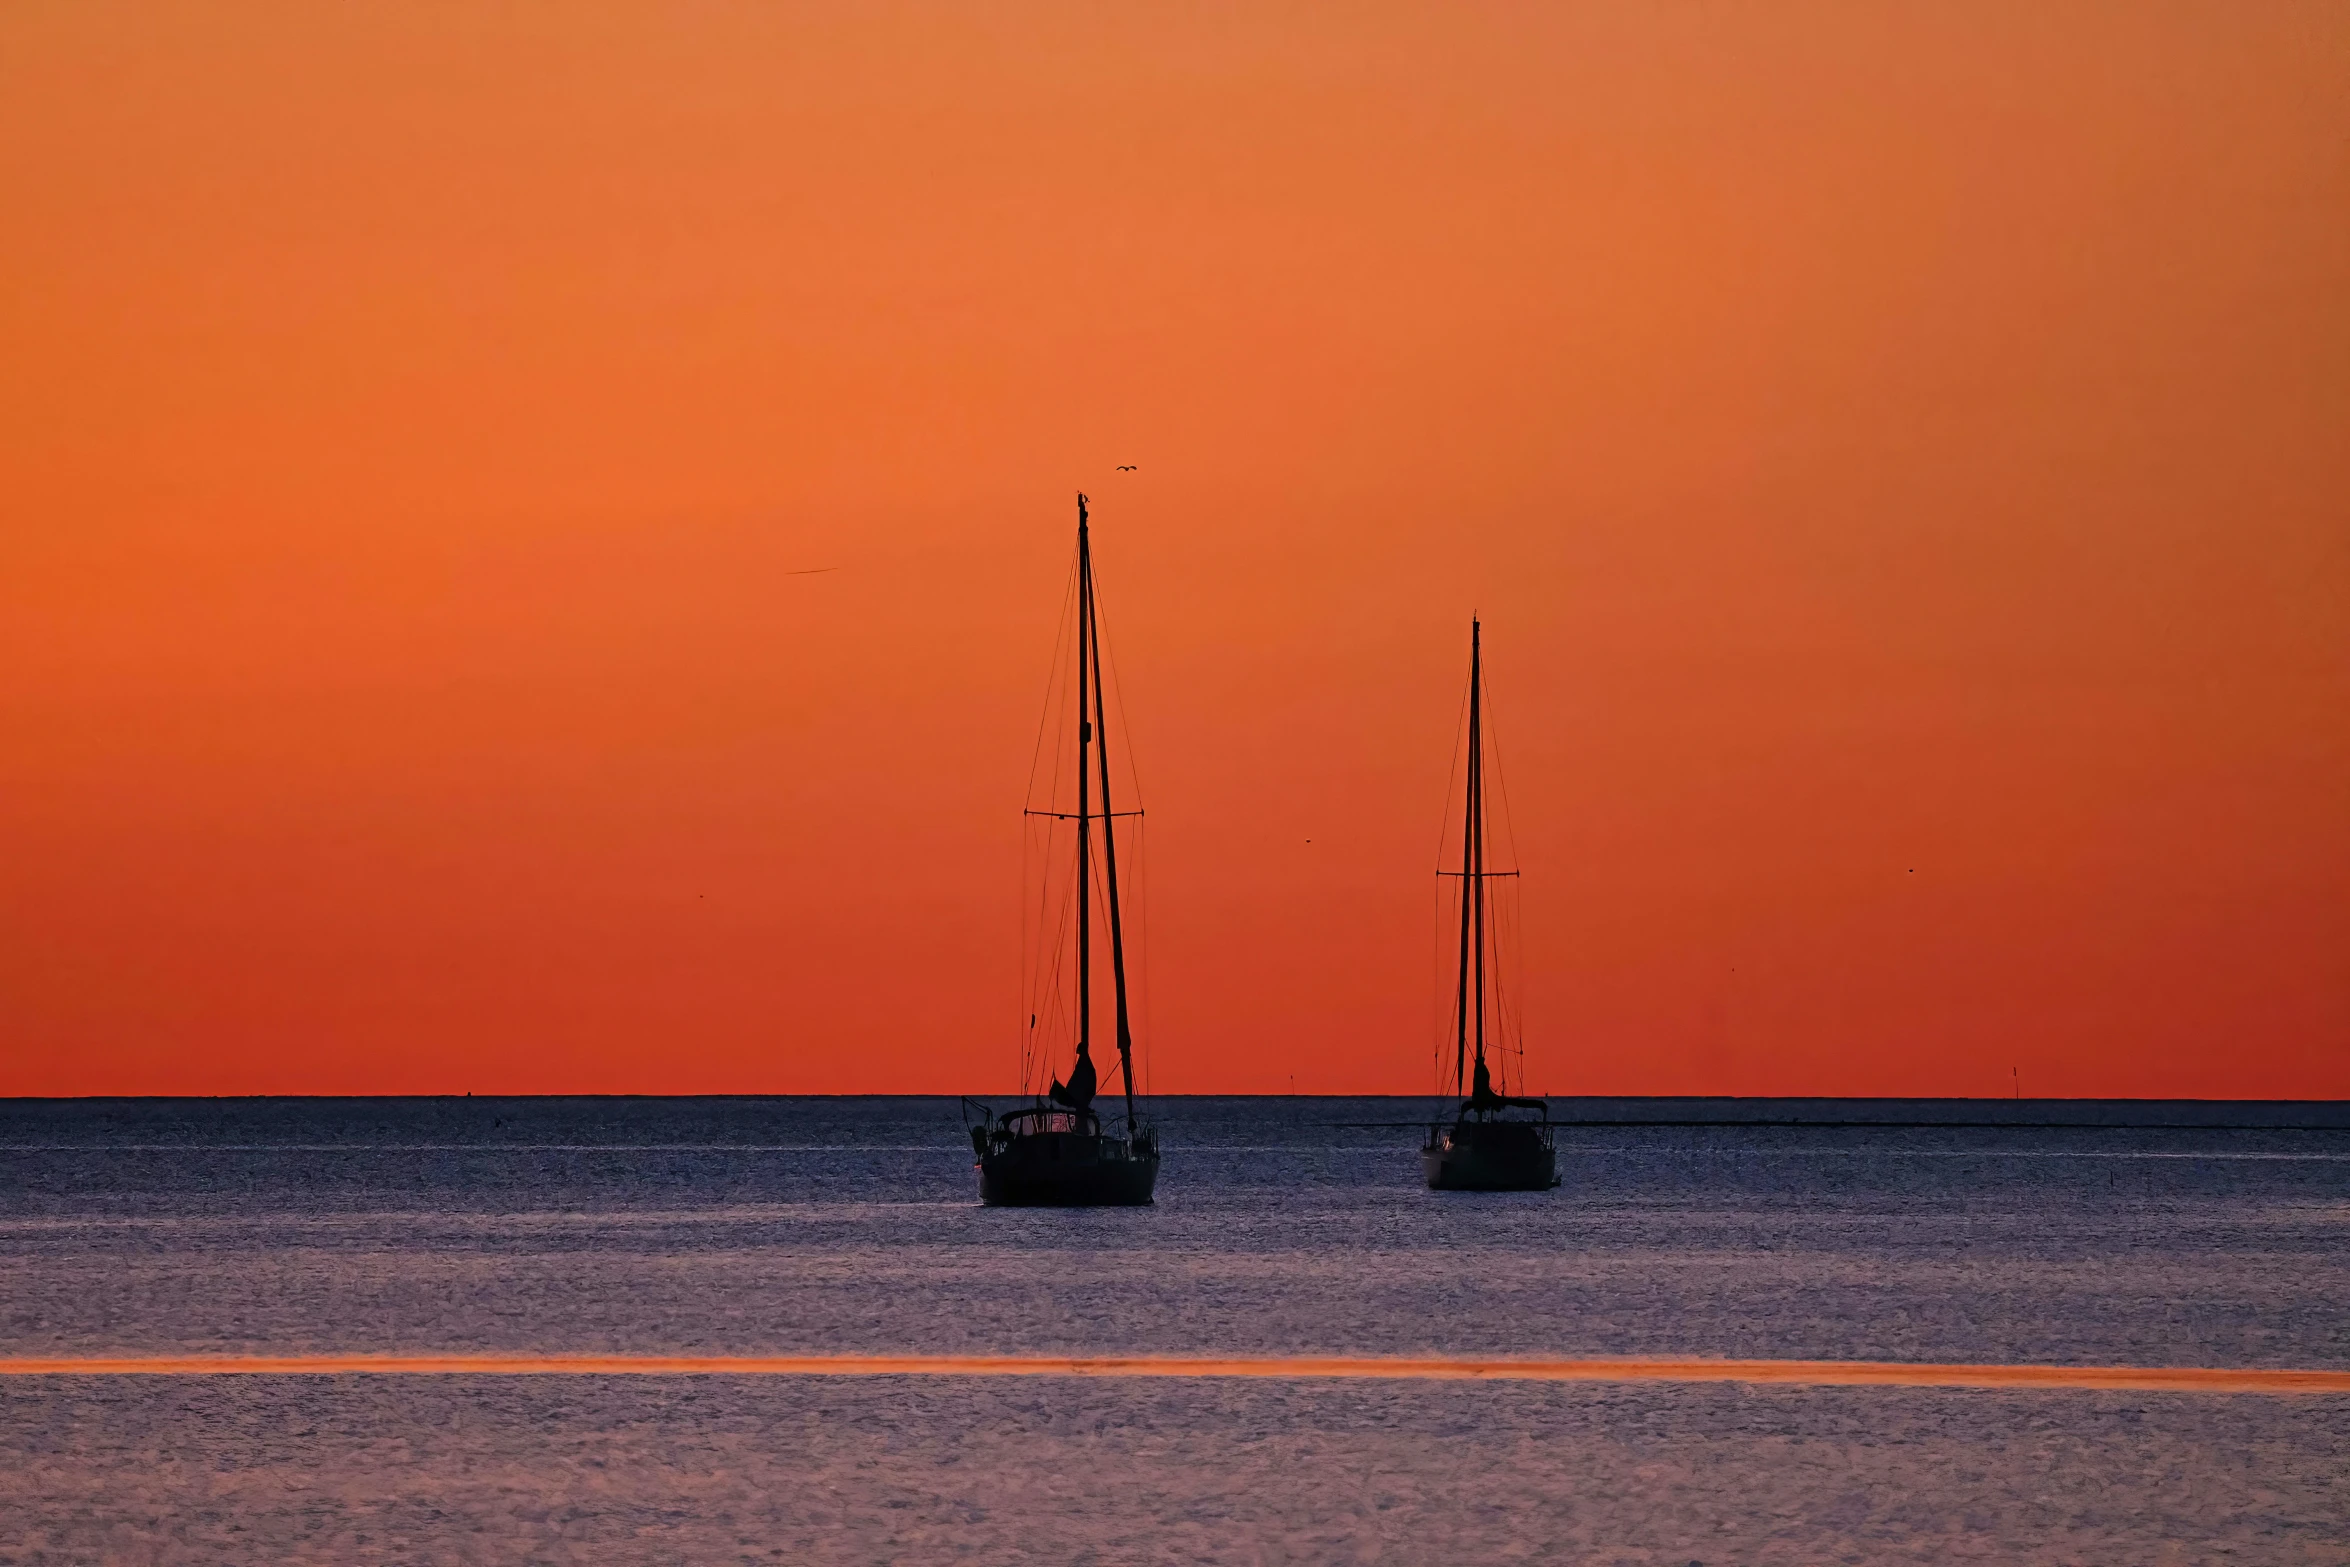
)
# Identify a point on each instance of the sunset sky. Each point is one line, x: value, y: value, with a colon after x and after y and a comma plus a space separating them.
x: 1900, y: 453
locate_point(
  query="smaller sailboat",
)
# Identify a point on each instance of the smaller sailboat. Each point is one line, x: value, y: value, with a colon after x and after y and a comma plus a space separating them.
x: 1496, y: 1142
x: 1055, y: 1152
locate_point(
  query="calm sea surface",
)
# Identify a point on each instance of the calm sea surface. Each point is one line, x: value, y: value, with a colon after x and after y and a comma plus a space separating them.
x: 832, y: 1226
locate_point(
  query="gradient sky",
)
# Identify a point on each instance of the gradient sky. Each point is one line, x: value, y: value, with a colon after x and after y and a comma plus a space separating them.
x: 1898, y: 451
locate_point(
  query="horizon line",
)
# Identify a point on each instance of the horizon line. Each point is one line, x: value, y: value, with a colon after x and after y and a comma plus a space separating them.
x: 558, y: 1093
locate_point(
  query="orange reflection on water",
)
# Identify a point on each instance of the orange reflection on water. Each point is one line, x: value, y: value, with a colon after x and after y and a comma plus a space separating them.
x: 1810, y: 1373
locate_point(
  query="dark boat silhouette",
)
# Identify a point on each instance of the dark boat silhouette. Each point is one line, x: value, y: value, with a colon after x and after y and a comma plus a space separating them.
x: 1055, y: 1152
x: 1496, y: 1142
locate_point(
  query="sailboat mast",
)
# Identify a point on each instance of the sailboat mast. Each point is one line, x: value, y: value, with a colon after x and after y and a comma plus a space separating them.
x: 1110, y: 865
x: 1084, y: 823
x: 1477, y: 820
x: 1460, y: 1019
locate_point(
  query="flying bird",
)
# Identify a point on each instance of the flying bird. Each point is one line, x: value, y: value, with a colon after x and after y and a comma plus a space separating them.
x: 1125, y: 467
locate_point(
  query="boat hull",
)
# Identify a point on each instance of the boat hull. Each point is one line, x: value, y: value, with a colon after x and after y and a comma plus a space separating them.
x: 1491, y: 1156
x: 1067, y: 1170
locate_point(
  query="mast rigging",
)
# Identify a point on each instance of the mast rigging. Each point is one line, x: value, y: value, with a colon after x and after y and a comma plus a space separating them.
x: 1109, y: 832
x: 1055, y: 1152
x: 1486, y: 1148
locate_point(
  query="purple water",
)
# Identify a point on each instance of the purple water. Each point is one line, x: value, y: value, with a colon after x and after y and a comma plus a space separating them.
x: 795, y: 1226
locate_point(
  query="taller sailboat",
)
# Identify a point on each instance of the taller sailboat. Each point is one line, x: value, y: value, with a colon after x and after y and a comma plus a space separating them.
x: 1055, y: 1152
x: 1496, y: 1143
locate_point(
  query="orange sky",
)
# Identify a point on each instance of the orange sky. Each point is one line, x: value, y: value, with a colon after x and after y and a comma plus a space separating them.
x: 1898, y: 451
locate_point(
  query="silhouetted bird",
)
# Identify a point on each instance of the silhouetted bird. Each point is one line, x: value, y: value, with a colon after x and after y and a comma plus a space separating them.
x: 1125, y: 467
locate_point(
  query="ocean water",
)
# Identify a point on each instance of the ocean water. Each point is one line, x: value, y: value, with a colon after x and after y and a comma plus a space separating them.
x: 1283, y: 1226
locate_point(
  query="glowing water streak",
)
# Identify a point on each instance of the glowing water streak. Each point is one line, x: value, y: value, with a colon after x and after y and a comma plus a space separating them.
x: 1799, y: 1373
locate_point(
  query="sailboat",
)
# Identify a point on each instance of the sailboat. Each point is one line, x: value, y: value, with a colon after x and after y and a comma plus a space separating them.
x: 1496, y: 1143
x: 1055, y: 1152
